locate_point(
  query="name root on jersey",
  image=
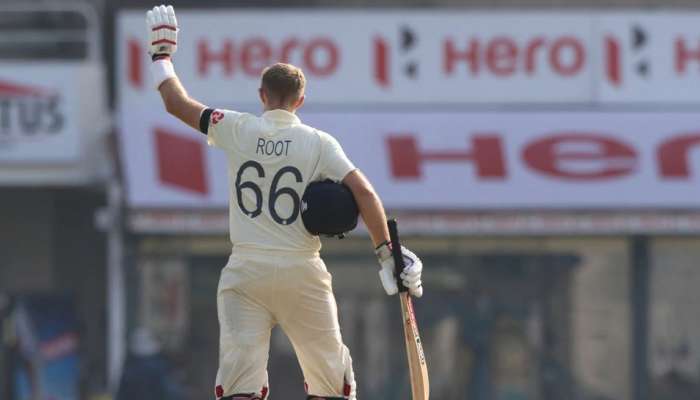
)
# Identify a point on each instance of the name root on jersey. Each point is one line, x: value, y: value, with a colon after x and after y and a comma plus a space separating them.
x: 271, y: 147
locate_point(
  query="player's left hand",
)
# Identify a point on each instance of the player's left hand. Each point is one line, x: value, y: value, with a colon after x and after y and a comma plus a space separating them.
x: 410, y: 276
x: 162, y: 31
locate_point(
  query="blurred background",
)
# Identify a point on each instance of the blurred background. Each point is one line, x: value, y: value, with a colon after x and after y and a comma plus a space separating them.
x: 542, y: 157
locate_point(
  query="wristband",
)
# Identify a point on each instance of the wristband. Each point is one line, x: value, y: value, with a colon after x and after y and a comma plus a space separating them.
x: 383, y: 251
x: 386, y: 242
x: 161, y: 71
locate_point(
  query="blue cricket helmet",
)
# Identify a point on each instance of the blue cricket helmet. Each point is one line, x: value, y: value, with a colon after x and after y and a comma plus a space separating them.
x: 328, y: 208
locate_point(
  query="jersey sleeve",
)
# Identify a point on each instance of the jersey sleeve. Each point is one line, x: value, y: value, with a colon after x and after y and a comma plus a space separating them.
x: 333, y: 163
x: 220, y: 126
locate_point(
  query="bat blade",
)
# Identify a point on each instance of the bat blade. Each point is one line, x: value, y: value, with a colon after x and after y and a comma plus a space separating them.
x: 418, y: 368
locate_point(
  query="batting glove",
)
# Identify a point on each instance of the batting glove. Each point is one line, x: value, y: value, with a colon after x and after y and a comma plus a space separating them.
x: 162, y: 32
x: 410, y: 276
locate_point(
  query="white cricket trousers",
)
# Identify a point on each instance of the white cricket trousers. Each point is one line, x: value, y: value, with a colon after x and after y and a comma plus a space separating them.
x: 260, y: 289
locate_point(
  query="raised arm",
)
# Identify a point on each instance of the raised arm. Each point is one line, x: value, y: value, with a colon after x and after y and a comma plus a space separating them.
x: 179, y: 104
x: 162, y: 44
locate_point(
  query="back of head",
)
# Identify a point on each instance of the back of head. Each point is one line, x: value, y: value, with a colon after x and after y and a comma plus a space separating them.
x: 283, y: 84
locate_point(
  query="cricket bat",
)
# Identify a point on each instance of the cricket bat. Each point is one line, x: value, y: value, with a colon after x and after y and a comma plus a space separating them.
x: 418, y: 369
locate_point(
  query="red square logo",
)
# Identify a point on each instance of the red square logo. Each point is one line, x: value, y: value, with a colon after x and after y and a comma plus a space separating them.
x: 181, y: 161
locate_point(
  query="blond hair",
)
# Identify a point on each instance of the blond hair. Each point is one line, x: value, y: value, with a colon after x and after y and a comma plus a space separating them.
x: 283, y: 84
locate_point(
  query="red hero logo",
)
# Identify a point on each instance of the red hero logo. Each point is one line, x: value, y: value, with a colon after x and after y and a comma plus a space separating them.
x: 501, y: 56
x: 573, y: 156
x: 317, y: 56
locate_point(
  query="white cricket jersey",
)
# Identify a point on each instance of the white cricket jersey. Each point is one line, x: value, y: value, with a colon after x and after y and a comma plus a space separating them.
x: 271, y: 160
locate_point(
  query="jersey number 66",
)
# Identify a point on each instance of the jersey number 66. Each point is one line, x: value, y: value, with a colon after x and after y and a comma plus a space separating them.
x: 274, y: 192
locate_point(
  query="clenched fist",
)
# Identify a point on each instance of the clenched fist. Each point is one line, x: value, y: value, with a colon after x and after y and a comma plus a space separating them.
x: 410, y: 276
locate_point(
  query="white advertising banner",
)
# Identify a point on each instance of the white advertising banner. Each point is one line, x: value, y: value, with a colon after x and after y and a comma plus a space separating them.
x: 421, y: 61
x: 649, y: 57
x: 423, y: 57
x: 375, y: 57
x: 39, y: 113
x: 454, y: 161
x: 54, y: 123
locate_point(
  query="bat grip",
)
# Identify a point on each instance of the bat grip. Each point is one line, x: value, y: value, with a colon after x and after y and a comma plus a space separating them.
x: 396, y: 253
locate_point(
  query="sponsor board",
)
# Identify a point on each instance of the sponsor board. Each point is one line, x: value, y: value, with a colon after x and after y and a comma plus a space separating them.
x: 359, y: 57
x: 649, y: 57
x: 453, y: 161
x: 419, y: 57
x: 39, y: 112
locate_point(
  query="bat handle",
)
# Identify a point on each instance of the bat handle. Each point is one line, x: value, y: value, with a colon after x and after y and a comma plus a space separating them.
x: 396, y: 253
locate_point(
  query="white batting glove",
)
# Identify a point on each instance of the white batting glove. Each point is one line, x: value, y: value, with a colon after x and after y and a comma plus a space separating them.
x: 162, y: 32
x: 411, y: 275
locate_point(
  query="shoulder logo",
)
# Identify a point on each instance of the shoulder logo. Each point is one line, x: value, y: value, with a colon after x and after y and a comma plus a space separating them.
x: 216, y: 116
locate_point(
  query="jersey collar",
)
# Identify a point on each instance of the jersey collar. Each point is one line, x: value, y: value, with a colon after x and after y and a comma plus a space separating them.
x: 282, y: 117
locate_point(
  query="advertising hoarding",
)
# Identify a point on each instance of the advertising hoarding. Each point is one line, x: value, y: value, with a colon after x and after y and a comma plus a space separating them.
x: 39, y: 112
x: 454, y: 160
x: 53, y: 123
x: 378, y: 82
x: 429, y: 58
